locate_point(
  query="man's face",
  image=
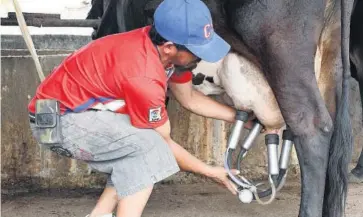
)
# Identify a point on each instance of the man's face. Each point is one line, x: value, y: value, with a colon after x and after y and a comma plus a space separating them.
x: 179, y: 57
x: 184, y: 59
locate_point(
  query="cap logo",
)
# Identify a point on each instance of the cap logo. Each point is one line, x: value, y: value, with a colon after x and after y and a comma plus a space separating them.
x: 208, y: 29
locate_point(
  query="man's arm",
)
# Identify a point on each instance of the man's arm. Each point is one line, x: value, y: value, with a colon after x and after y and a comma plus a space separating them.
x: 149, y: 95
x: 201, y: 104
x: 145, y: 100
x: 188, y: 162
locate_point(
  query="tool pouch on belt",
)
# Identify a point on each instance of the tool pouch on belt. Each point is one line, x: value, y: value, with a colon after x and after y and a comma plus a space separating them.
x: 47, y: 121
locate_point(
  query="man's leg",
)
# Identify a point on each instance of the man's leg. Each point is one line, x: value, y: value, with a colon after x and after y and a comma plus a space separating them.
x: 133, y: 205
x: 107, y: 202
x: 134, y: 158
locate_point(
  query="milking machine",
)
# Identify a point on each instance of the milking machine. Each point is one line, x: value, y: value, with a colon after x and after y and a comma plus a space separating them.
x: 277, y: 167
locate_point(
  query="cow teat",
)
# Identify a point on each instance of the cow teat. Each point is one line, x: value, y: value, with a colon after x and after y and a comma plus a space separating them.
x: 198, y: 79
x: 210, y: 79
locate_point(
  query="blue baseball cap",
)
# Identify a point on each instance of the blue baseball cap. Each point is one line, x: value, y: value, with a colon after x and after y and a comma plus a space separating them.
x: 189, y: 23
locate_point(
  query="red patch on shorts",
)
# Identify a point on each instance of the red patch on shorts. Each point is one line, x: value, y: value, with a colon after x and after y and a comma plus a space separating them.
x: 85, y: 155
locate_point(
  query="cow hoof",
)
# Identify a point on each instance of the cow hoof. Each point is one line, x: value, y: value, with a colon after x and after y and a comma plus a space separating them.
x: 355, y: 179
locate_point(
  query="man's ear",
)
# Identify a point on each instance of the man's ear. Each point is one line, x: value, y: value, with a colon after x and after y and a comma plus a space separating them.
x: 169, y: 47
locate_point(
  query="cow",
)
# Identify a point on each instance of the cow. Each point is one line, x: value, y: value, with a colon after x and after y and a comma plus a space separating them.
x: 208, y: 81
x: 211, y: 79
x: 292, y: 43
x: 356, y: 58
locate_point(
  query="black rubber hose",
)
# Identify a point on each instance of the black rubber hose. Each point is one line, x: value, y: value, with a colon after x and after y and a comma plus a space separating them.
x: 229, y: 158
x: 240, y: 157
x: 276, y: 179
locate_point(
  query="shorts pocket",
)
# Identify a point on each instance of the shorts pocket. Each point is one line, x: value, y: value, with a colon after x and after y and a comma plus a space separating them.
x: 90, y: 145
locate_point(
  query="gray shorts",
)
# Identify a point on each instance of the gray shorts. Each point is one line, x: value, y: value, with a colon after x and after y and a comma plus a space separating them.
x: 134, y: 158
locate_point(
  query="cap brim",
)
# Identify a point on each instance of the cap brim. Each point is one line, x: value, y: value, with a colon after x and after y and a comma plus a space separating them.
x: 212, y: 52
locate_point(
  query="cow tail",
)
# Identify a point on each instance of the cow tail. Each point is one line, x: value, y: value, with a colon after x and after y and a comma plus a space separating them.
x: 342, y: 139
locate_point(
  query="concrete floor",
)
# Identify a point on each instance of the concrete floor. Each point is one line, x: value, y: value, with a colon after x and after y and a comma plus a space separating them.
x: 192, y: 200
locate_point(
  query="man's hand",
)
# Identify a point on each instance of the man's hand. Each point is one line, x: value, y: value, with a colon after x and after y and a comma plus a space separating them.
x: 220, y: 175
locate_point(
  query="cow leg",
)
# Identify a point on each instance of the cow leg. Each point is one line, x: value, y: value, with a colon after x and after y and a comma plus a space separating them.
x: 356, y: 55
x: 356, y: 175
x: 305, y: 113
x: 357, y: 58
x: 357, y: 172
x: 285, y: 42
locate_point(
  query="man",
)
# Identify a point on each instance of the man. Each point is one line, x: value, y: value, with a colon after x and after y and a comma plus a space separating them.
x: 111, y: 96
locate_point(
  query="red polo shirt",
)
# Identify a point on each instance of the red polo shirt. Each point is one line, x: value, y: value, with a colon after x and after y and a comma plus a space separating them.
x: 120, y: 72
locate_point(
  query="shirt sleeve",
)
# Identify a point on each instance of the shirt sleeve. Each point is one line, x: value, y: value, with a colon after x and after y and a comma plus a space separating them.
x: 181, y: 77
x: 145, y: 102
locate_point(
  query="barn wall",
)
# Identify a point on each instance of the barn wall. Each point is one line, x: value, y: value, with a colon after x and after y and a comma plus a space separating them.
x: 24, y: 165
